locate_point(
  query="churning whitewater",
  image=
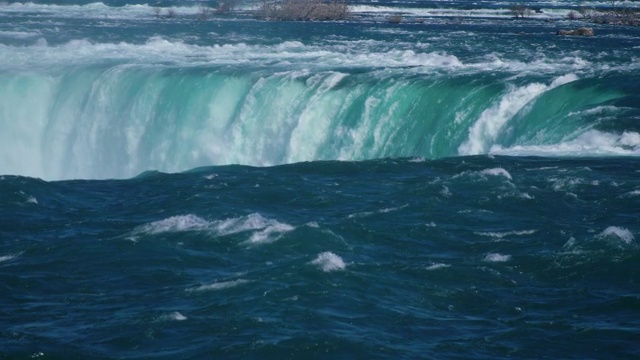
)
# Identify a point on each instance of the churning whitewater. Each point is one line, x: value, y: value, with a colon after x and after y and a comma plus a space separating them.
x: 112, y: 90
x: 458, y: 184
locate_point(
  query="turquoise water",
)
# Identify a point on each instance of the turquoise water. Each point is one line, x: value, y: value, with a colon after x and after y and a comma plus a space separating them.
x: 466, y: 187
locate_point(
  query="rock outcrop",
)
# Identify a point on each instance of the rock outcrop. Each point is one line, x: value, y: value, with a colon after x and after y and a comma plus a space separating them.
x: 583, y: 31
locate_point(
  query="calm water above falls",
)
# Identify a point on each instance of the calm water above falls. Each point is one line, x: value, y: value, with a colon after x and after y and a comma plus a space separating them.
x: 467, y: 187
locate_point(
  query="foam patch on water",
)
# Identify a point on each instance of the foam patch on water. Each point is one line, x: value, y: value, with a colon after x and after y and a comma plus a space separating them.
x: 437, y: 266
x: 174, y: 316
x: 618, y: 232
x: 177, y: 316
x: 291, y: 56
x: 19, y: 34
x: 98, y: 10
x: 219, y: 285
x: 501, y: 235
x: 7, y: 258
x: 495, y: 257
x: 329, y: 261
x: 176, y: 224
x: 440, y: 12
x: 263, y: 229
x: 590, y: 143
x: 497, y: 172
x: 633, y: 193
x: 270, y: 233
x: 381, y: 211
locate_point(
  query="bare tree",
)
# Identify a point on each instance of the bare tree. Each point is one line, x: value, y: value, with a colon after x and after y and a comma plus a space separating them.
x: 520, y: 10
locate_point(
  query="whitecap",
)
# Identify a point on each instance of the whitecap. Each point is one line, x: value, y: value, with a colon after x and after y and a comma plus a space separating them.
x: 437, y: 266
x: 501, y: 235
x: 497, y: 172
x: 177, y: 316
x: 329, y: 261
x: 266, y: 230
x: 175, y: 224
x: 380, y: 211
x: 633, y: 193
x: 619, y: 232
x: 495, y: 257
x: 569, y: 244
x: 270, y: 233
x: 219, y: 285
x: 6, y: 258
x: 250, y: 222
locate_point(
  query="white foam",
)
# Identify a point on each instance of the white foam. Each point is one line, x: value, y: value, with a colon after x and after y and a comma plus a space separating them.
x: 495, y: 257
x: 486, y: 129
x: 619, y: 232
x: 633, y: 193
x: 176, y: 224
x: 437, y: 266
x: 496, y: 172
x: 293, y: 57
x: 391, y: 209
x: 329, y: 261
x: 270, y: 233
x: 569, y: 244
x: 19, y: 34
x: 219, y: 285
x: 7, y: 258
x: 501, y: 235
x: 590, y: 143
x: 442, y: 12
x: 177, y: 316
x: 263, y: 230
x: 381, y: 211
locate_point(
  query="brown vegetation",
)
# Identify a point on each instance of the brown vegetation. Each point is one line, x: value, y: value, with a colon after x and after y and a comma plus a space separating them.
x: 303, y: 10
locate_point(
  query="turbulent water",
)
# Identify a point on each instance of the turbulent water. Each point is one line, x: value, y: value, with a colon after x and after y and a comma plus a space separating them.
x: 459, y: 185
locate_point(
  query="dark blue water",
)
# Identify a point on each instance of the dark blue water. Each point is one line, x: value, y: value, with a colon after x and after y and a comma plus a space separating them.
x: 461, y: 258
x: 463, y: 188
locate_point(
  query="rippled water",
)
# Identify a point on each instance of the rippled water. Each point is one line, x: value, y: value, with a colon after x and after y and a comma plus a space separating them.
x: 465, y: 187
